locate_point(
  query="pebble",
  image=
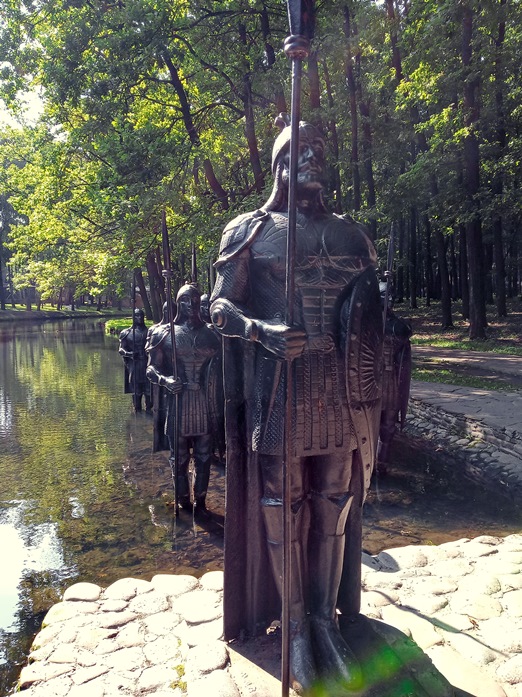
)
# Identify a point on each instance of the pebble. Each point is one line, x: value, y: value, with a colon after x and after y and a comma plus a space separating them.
x: 460, y: 602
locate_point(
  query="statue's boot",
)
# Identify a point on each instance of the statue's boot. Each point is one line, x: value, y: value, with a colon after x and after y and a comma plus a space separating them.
x: 303, y: 672
x: 182, y: 484
x: 201, y: 485
x: 136, y: 401
x: 334, y: 658
x: 383, y: 456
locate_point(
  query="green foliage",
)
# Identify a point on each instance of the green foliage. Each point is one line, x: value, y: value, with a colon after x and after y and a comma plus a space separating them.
x: 145, y: 99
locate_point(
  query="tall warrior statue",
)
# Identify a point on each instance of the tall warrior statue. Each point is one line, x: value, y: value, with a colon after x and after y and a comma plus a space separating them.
x: 132, y: 350
x: 396, y: 377
x: 334, y: 347
x: 159, y: 394
x: 196, y: 345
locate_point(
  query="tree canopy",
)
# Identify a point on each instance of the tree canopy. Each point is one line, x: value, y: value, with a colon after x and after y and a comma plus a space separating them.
x: 153, y: 105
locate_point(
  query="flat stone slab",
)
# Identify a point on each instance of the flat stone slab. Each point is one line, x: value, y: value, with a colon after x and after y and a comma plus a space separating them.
x: 439, y: 621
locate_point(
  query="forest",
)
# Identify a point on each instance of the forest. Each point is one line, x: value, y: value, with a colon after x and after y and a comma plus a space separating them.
x: 150, y: 106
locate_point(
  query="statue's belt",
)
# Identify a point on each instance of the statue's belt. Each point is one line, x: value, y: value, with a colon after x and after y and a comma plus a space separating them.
x: 321, y: 342
x: 191, y: 386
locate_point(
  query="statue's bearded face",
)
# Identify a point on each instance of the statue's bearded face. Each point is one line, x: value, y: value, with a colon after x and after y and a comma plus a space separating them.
x: 310, y: 164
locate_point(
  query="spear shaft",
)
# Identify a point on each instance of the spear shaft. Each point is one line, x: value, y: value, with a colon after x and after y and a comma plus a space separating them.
x: 297, y: 49
x: 167, y: 274
x: 194, y: 267
x: 388, y: 274
x: 134, y: 357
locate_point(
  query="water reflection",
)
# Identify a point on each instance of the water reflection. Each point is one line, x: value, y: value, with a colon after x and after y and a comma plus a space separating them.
x: 35, y: 549
x: 6, y: 414
x: 82, y: 498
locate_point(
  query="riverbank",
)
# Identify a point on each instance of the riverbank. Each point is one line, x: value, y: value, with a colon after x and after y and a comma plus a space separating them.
x: 448, y: 615
x: 21, y: 315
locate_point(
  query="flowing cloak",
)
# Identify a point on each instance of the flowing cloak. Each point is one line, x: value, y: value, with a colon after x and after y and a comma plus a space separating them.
x: 251, y: 601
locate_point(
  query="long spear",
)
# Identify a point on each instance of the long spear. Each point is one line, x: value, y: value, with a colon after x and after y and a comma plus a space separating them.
x: 167, y: 274
x: 194, y: 266
x: 134, y: 357
x: 301, y: 14
x: 388, y: 274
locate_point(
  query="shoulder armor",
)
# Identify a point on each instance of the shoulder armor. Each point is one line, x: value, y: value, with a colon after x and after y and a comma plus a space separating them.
x: 240, y: 233
x: 347, y: 218
x: 157, y: 336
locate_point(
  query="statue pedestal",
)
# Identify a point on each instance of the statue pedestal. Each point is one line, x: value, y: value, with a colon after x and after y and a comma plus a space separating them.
x: 393, y: 665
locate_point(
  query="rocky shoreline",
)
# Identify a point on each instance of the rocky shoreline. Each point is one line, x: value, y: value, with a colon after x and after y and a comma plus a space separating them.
x: 458, y: 604
x: 486, y: 454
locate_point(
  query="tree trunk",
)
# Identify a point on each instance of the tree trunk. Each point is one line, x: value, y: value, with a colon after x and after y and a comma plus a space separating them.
x: 400, y: 270
x: 464, y: 282
x: 445, y: 286
x: 250, y: 126
x: 154, y: 287
x: 454, y: 274
x: 315, y: 88
x: 143, y: 293
x: 213, y: 182
x: 250, y: 133
x: 477, y: 305
x: 413, y: 258
x: 498, y: 183
x: 396, y: 56
x: 176, y: 82
x: 488, y: 263
x: 334, y: 142
x: 367, y: 146
x: 161, y: 281
x: 354, y: 117
x: 428, y: 269
x: 2, y: 288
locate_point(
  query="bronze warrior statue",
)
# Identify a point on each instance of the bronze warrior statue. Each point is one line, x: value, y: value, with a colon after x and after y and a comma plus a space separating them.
x: 336, y: 345
x: 395, y: 379
x: 205, y: 308
x: 159, y: 394
x: 132, y: 350
x: 197, y: 345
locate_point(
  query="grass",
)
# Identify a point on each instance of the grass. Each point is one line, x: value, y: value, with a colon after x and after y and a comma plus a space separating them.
x: 115, y: 326
x: 504, y: 333
x: 452, y: 377
x: 47, y: 312
x: 511, y: 348
x: 504, y: 338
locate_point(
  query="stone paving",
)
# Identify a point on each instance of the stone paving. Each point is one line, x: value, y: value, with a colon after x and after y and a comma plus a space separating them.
x: 460, y: 602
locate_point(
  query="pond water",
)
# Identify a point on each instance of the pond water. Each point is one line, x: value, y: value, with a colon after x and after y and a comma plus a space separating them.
x: 82, y: 497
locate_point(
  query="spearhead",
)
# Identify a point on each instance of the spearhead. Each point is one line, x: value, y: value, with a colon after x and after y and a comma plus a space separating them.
x: 301, y: 17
